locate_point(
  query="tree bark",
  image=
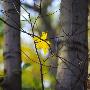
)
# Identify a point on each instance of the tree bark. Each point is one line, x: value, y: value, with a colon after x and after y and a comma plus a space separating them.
x: 73, y: 57
x: 12, y: 54
x: 46, y: 20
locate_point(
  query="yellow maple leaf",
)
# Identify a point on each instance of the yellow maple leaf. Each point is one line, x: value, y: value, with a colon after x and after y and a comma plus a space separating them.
x: 42, y: 43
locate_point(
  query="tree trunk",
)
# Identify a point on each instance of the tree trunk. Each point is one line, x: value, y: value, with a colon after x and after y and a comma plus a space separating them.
x: 51, y: 34
x: 73, y: 57
x: 12, y: 54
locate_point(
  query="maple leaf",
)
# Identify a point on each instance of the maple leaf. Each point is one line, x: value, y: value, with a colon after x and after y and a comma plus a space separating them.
x: 42, y: 42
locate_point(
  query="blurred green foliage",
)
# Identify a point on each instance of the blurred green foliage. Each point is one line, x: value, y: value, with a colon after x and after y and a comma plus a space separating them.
x: 1, y: 28
x: 1, y: 48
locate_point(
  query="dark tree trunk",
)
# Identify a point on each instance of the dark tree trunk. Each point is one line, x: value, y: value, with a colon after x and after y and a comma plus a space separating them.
x: 73, y: 57
x: 12, y: 54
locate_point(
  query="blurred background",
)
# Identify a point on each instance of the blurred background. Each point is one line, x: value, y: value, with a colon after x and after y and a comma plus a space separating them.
x: 48, y: 22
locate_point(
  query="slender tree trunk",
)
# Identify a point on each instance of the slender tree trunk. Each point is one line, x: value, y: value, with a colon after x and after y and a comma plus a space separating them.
x: 73, y: 57
x: 12, y: 54
x: 46, y: 20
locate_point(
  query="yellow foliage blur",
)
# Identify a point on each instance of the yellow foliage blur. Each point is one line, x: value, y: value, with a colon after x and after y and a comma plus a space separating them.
x: 42, y: 42
x: 28, y: 55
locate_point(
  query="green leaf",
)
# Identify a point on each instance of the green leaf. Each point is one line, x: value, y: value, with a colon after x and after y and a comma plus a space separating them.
x: 26, y: 65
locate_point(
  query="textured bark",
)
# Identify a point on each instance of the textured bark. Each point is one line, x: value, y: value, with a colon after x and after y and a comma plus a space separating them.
x: 72, y: 67
x: 46, y: 20
x: 12, y: 54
